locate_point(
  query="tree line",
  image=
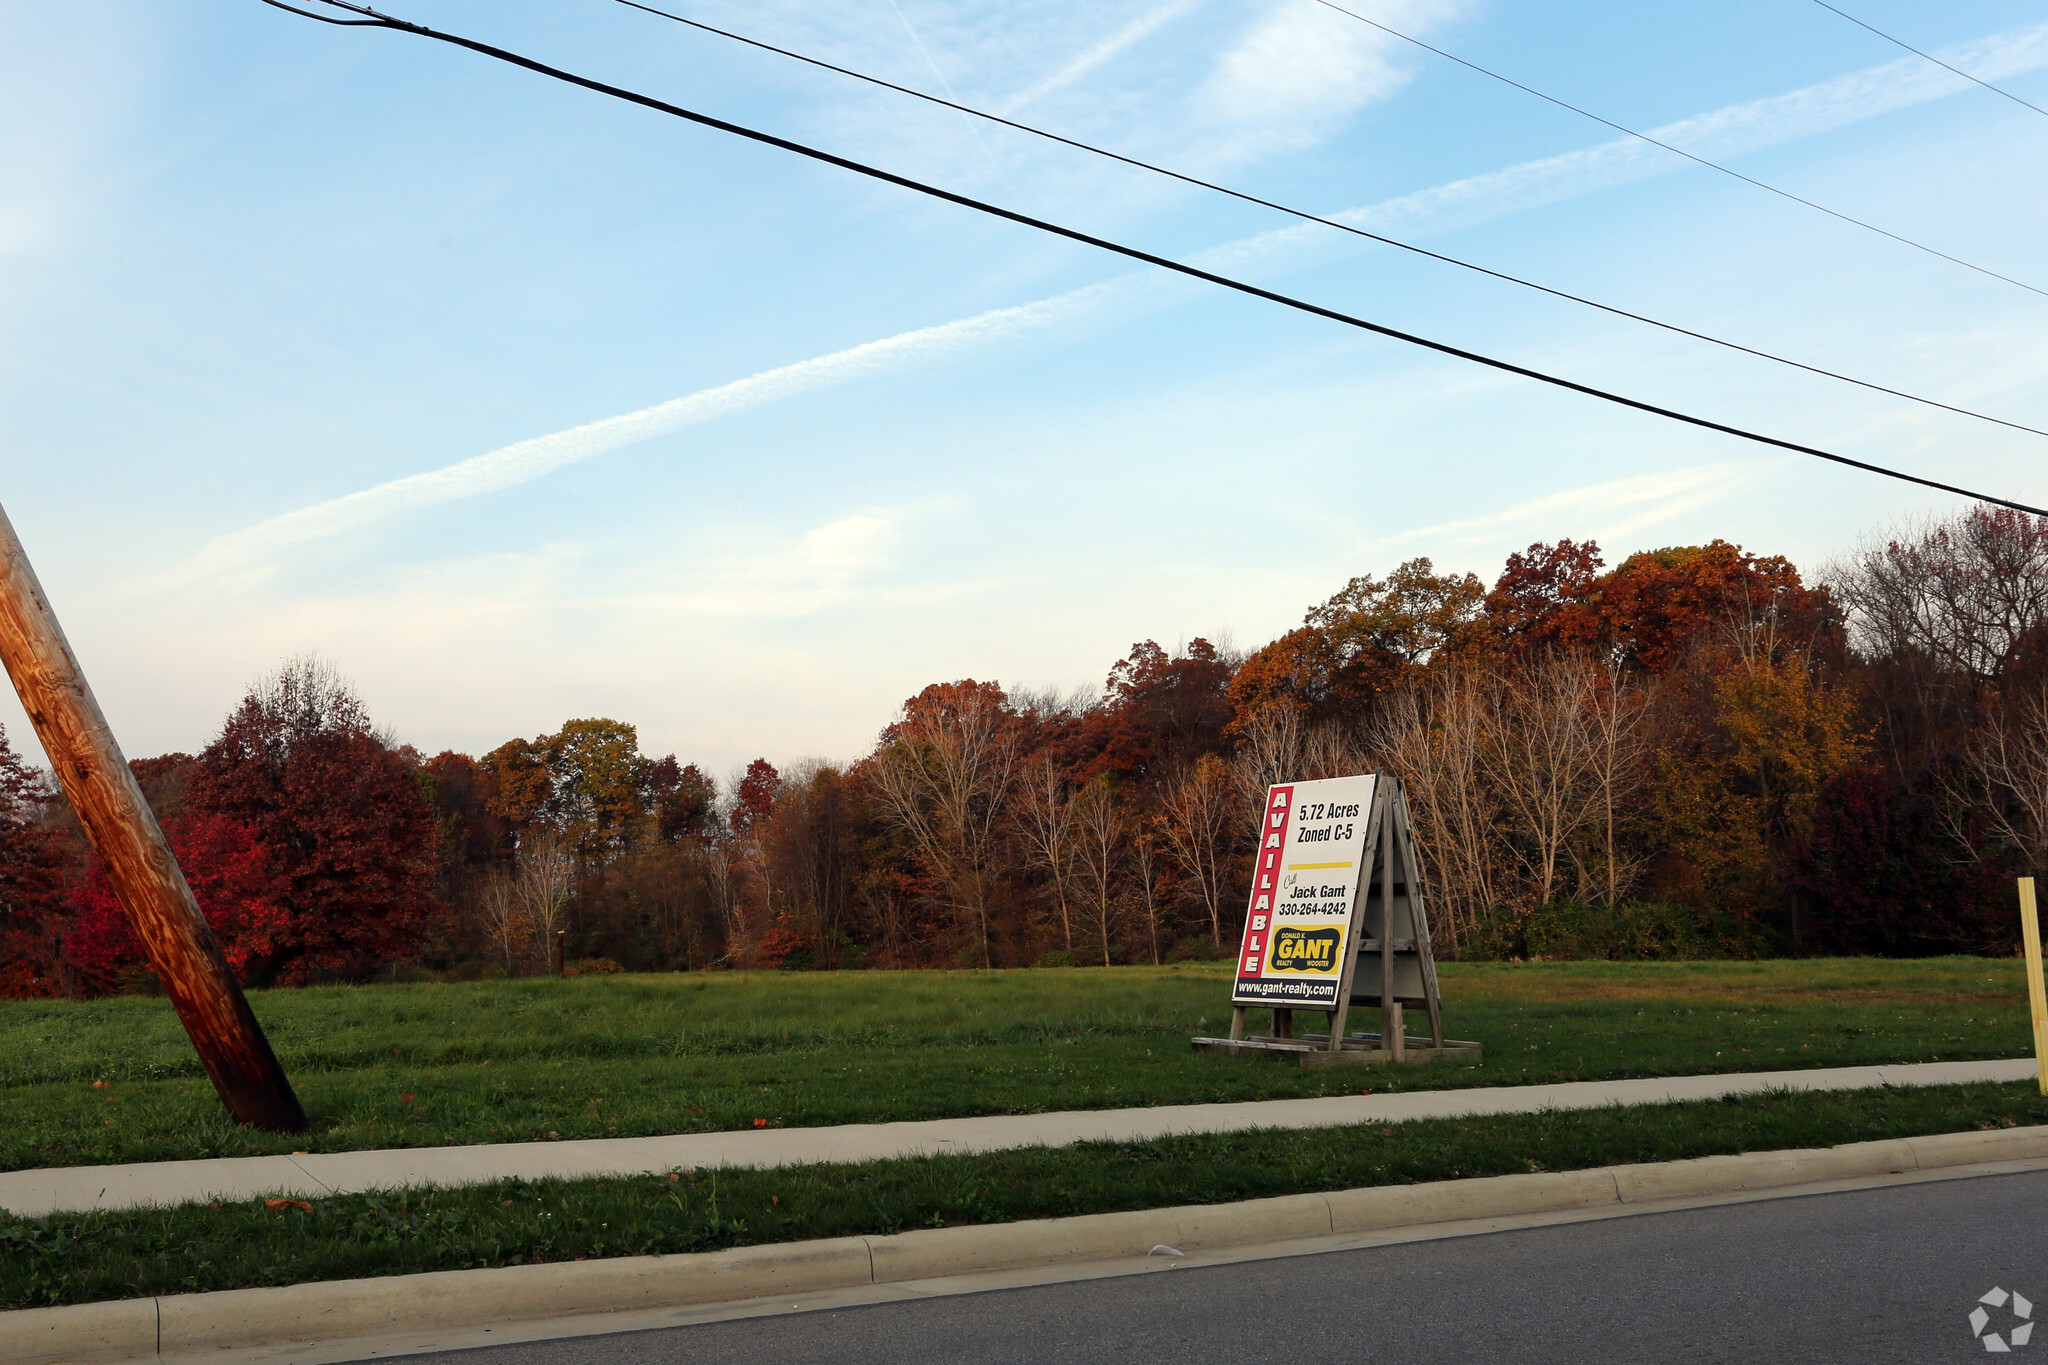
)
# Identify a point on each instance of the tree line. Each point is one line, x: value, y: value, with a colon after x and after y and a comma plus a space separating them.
x: 1698, y: 751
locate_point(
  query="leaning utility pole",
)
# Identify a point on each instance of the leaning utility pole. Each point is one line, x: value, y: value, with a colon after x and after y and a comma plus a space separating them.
x: 124, y: 832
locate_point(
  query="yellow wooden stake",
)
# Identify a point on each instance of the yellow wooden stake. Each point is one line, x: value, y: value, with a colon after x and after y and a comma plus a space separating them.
x: 2037, y: 992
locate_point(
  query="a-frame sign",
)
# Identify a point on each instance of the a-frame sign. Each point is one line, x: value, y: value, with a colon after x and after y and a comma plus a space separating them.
x: 1336, y: 919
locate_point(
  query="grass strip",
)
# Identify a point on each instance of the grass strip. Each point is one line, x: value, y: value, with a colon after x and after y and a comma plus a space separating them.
x: 109, y: 1081
x: 191, y: 1248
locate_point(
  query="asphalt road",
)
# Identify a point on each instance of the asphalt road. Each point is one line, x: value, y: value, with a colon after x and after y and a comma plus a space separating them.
x: 1878, y: 1275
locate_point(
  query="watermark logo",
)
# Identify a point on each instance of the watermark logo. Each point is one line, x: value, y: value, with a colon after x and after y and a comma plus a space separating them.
x: 2021, y: 1309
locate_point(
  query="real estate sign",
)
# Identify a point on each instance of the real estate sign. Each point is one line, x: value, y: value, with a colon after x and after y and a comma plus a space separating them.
x: 1305, y: 890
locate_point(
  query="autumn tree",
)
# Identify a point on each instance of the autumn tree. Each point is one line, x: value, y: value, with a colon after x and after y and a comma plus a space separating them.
x: 1160, y: 711
x: 1547, y: 598
x: 33, y: 913
x: 1739, y: 784
x: 808, y: 842
x: 1145, y: 864
x: 519, y: 787
x: 543, y: 883
x: 1658, y: 604
x: 468, y: 833
x: 1366, y: 640
x: 230, y: 877
x: 345, y: 828
x: 1898, y: 871
x: 595, y: 775
x: 754, y: 796
x: 944, y: 778
x: 683, y: 800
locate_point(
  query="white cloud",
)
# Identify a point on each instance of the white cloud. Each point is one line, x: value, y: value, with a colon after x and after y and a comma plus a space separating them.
x: 1297, y: 63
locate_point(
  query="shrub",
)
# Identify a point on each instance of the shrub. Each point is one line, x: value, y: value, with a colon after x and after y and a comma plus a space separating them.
x: 1636, y: 930
x: 1198, y: 949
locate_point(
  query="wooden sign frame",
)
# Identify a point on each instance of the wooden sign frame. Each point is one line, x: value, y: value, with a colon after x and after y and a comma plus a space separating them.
x: 1389, y: 962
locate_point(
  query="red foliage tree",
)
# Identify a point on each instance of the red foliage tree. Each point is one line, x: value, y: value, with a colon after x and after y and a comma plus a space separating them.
x: 1546, y: 597
x: 681, y: 798
x: 1878, y: 872
x: 1659, y: 603
x: 1160, y: 711
x: 33, y: 909
x: 228, y: 874
x: 343, y: 822
x: 754, y: 802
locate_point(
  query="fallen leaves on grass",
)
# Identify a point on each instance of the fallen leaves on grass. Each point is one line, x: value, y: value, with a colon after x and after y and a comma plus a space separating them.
x: 280, y: 1205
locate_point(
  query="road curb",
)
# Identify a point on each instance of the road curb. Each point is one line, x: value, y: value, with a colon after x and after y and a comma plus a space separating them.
x: 187, y: 1324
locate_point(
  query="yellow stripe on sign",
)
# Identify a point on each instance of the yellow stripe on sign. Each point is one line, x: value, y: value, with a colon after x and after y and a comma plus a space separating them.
x: 1304, y: 867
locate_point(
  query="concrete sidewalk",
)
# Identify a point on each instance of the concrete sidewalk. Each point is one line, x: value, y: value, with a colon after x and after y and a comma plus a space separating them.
x: 77, y: 1188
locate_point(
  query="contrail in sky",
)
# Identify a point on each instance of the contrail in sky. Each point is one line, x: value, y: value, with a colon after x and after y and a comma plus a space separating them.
x: 1109, y: 48
x: 530, y: 459
x: 1726, y: 132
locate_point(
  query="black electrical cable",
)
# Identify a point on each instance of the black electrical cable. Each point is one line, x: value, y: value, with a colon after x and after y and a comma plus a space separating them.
x: 1680, y: 151
x: 1164, y: 263
x: 1306, y: 216
x: 1928, y: 56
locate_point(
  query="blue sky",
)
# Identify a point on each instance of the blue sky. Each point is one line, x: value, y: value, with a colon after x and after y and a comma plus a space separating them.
x: 521, y: 404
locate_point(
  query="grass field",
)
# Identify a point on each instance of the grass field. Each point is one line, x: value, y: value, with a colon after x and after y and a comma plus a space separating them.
x: 419, y: 1065
x: 194, y: 1248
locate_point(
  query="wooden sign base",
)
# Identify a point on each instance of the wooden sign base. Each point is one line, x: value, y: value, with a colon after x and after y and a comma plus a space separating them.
x: 1360, y: 1049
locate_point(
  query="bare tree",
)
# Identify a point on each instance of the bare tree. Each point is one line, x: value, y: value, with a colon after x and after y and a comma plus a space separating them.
x: 1434, y: 734
x: 946, y: 784
x: 1268, y: 751
x: 2007, y: 774
x: 1535, y: 753
x: 1618, y: 751
x: 543, y: 884
x: 1046, y: 819
x: 1279, y: 746
x: 1963, y: 592
x: 1145, y: 864
x: 503, y: 916
x: 1194, y: 819
x: 1100, y: 839
x: 723, y: 874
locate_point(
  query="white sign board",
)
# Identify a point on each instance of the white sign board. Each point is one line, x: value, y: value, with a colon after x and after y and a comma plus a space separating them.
x: 1305, y: 890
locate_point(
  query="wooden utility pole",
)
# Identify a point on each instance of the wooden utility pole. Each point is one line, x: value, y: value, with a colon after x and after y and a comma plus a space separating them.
x: 124, y: 832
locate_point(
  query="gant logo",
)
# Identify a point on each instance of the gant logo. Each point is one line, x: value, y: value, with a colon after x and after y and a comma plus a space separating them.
x: 1306, y: 950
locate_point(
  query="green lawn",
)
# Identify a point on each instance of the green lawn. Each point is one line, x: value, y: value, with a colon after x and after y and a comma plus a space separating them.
x: 414, y: 1065
x: 197, y: 1247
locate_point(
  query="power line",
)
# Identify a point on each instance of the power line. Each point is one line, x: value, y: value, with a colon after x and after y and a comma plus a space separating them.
x: 1338, y: 224
x: 1929, y: 56
x: 1680, y: 151
x: 1164, y: 263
